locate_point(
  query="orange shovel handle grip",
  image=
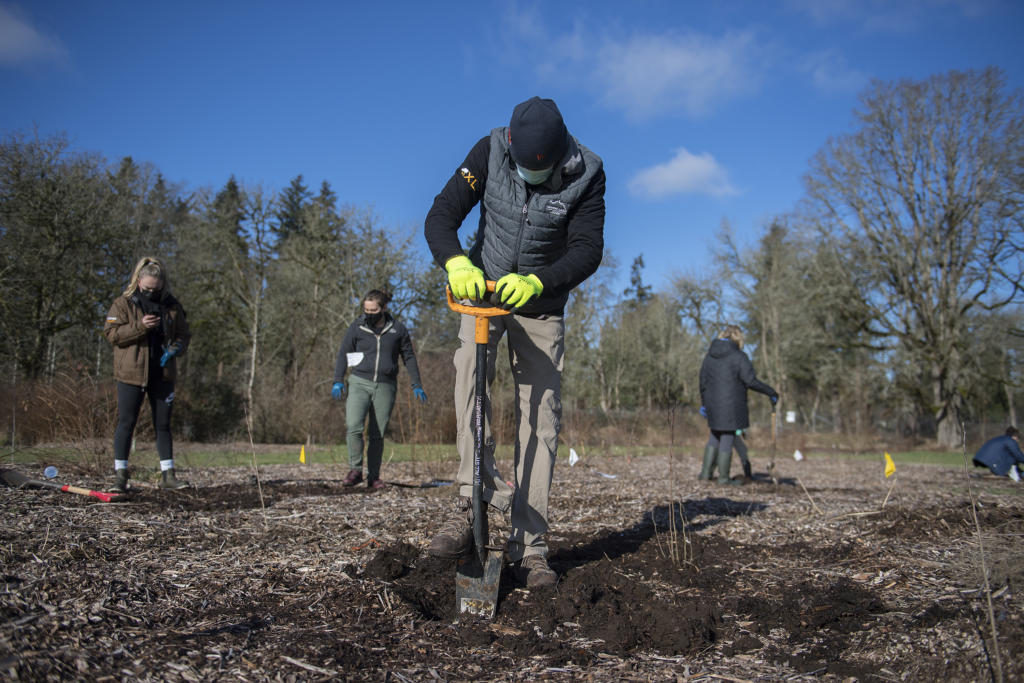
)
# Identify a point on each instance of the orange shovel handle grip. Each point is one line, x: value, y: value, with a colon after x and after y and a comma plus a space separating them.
x: 481, y: 313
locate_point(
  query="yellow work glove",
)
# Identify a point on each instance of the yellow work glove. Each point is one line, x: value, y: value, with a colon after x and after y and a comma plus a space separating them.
x: 517, y: 290
x: 465, y: 279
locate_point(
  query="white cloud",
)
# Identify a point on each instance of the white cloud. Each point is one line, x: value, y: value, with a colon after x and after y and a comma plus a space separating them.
x: 829, y: 72
x: 642, y: 74
x: 685, y: 173
x: 21, y: 42
x: 887, y: 16
x: 655, y: 74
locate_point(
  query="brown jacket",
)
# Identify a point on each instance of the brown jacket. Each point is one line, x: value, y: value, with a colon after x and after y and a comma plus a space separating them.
x: 124, y: 329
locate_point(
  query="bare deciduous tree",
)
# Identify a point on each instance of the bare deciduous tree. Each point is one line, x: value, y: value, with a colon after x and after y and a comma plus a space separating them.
x: 926, y: 195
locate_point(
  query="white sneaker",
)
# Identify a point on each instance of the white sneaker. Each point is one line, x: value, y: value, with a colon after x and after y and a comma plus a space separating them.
x: 1014, y: 474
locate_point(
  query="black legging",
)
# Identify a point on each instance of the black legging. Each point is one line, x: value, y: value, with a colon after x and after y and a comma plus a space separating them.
x: 722, y: 440
x: 129, y: 400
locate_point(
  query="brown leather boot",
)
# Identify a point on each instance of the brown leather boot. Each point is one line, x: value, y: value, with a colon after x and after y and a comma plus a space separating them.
x: 455, y: 537
x: 352, y: 478
x: 533, y: 572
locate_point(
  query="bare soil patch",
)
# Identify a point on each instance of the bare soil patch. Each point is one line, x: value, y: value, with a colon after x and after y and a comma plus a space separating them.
x: 295, y: 577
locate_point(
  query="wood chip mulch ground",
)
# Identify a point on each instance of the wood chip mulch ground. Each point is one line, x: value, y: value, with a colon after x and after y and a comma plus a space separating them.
x: 293, y: 577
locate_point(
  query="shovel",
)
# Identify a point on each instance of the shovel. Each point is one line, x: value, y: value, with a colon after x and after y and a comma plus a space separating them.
x: 771, y: 467
x: 19, y: 480
x: 479, y: 573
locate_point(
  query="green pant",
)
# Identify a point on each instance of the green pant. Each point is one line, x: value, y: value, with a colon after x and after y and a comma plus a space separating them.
x: 375, y: 399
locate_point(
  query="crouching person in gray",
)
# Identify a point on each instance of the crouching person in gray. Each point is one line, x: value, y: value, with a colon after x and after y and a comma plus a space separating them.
x: 541, y: 234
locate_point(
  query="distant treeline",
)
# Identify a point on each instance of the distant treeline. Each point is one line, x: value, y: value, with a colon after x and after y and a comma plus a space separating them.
x: 888, y: 300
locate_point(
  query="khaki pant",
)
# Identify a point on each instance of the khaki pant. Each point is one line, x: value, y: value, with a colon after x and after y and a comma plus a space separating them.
x: 535, y: 347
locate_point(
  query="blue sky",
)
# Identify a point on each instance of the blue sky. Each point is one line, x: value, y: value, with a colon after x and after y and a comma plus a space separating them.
x: 702, y: 111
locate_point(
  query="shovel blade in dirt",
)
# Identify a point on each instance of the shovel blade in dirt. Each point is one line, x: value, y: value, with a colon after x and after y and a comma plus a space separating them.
x: 476, y: 584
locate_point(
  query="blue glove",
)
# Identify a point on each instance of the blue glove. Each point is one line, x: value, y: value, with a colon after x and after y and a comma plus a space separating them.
x: 704, y: 412
x: 338, y: 390
x: 169, y: 353
x: 420, y: 394
x: 774, y: 398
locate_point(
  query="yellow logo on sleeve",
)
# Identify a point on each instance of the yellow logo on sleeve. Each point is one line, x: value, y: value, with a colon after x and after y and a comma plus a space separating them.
x: 470, y: 178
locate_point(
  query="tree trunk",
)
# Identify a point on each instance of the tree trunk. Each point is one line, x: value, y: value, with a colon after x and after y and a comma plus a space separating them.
x: 1011, y: 408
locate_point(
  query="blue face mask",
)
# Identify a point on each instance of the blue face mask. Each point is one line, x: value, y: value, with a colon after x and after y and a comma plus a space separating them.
x: 534, y: 177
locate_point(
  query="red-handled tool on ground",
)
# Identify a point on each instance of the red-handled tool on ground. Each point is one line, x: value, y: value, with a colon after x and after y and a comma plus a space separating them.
x: 479, y: 573
x: 19, y: 480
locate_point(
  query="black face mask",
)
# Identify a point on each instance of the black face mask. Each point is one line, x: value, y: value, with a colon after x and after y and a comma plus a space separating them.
x: 373, y: 318
x: 152, y: 294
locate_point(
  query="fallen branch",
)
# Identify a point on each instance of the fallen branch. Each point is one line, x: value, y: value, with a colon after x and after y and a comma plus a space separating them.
x: 809, y: 496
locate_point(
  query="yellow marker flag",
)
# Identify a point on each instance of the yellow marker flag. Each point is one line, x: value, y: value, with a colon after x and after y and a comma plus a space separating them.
x: 890, y: 466
x: 302, y: 456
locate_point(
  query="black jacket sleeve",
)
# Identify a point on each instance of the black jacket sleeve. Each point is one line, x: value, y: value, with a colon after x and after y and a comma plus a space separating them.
x: 348, y: 343
x: 409, y: 358
x: 460, y: 194
x: 747, y: 376
x: 584, y: 242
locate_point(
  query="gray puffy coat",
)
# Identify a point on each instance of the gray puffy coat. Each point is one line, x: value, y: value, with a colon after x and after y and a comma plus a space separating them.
x: 725, y: 377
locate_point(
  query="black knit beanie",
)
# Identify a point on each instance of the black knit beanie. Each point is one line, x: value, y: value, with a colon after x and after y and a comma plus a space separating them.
x: 539, y: 138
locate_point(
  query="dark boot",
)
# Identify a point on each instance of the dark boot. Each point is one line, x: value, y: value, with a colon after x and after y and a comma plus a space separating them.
x: 708, y: 469
x: 724, y: 463
x: 352, y: 478
x: 120, y: 484
x: 533, y: 572
x: 455, y: 537
x: 169, y: 481
x: 746, y: 470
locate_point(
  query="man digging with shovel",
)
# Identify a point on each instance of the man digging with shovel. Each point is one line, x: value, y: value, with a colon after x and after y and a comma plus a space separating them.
x: 541, y: 233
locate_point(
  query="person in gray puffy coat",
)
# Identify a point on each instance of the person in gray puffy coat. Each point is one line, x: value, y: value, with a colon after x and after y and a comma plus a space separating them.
x: 725, y: 377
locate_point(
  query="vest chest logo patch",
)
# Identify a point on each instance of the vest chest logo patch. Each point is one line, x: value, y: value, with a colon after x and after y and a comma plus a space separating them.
x: 469, y: 177
x: 556, y: 208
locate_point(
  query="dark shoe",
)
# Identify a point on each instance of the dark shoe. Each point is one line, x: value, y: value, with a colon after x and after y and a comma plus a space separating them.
x: 352, y: 478
x: 375, y: 484
x: 746, y: 470
x: 169, y: 481
x: 533, y: 572
x: 707, y: 470
x: 724, y: 463
x: 455, y: 538
x: 120, y: 484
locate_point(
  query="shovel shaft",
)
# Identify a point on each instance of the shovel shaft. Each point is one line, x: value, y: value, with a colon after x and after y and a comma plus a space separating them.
x: 479, y: 515
x: 478, y: 575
